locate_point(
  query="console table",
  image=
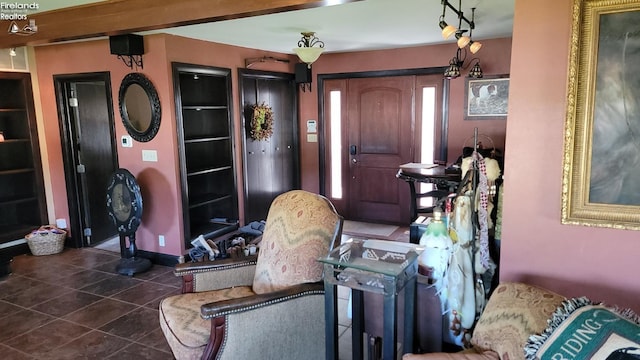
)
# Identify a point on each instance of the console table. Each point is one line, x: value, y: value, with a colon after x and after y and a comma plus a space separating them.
x: 446, y: 181
x: 378, y: 266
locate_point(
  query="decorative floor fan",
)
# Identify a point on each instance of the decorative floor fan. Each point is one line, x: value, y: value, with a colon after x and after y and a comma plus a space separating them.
x: 124, y: 205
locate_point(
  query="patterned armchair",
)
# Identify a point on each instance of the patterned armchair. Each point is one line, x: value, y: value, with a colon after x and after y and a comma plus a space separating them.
x: 269, y: 307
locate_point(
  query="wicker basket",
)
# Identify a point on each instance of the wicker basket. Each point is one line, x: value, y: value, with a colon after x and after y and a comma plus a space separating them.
x: 47, y: 240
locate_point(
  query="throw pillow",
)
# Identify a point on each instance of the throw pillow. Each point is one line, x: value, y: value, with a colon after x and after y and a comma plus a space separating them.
x: 514, y: 312
x: 580, y: 330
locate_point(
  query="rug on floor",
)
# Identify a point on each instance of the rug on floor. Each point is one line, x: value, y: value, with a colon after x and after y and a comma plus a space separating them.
x: 368, y: 229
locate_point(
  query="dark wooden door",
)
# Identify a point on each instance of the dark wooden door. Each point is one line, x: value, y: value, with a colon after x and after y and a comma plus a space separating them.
x: 90, y: 154
x: 271, y: 166
x: 380, y: 118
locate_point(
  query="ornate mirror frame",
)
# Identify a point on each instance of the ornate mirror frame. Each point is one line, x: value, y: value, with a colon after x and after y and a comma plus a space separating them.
x: 142, y: 135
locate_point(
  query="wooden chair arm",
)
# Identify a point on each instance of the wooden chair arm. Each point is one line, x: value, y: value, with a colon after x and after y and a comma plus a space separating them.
x: 226, y: 307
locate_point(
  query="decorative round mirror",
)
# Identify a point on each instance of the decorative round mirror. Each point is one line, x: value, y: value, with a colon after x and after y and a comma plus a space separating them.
x: 139, y: 107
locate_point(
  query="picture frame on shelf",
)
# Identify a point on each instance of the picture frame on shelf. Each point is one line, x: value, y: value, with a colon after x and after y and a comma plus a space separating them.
x: 486, y: 98
x: 601, y: 159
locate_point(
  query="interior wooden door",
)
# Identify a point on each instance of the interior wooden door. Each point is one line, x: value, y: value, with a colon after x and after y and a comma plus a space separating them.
x: 271, y: 166
x: 380, y: 119
x: 90, y: 153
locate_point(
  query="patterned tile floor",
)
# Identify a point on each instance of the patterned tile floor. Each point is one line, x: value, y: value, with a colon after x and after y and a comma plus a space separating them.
x: 73, y: 305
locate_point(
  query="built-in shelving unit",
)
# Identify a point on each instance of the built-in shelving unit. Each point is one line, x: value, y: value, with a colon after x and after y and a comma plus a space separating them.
x: 22, y: 200
x: 205, y: 136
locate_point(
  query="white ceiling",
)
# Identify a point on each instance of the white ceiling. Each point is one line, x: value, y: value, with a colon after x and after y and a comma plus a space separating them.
x: 362, y: 25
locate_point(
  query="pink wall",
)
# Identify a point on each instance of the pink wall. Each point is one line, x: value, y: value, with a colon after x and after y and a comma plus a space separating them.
x: 572, y: 260
x: 159, y: 181
x: 495, y: 59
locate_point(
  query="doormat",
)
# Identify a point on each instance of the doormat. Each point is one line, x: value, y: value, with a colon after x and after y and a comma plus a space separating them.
x: 368, y: 229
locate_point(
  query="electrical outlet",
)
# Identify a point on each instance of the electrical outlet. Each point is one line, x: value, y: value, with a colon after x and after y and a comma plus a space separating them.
x: 61, y: 223
x: 161, y: 240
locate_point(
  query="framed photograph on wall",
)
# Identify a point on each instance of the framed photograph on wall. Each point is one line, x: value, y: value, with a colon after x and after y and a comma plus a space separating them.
x: 601, y: 162
x: 486, y: 98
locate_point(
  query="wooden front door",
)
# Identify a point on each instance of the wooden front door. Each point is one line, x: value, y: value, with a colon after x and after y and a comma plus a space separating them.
x: 379, y: 116
x: 371, y: 126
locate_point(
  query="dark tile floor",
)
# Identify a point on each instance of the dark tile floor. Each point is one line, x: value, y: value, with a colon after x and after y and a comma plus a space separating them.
x: 73, y: 305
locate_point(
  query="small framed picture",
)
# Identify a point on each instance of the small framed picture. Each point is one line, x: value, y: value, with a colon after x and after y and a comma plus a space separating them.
x: 486, y: 98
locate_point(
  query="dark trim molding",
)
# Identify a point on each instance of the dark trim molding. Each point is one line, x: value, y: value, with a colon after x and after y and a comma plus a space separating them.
x: 159, y: 259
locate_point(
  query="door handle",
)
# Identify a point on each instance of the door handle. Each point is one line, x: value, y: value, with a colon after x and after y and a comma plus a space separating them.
x: 353, y: 150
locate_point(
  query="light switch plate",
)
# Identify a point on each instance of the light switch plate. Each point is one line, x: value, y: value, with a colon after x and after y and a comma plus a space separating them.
x: 126, y: 141
x: 150, y: 155
x: 312, y: 137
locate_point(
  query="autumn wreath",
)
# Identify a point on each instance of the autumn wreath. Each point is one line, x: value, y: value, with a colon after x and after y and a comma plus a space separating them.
x: 261, y: 122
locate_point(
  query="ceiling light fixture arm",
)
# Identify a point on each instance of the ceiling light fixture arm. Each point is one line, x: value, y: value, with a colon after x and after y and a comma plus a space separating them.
x: 309, y: 39
x: 446, y: 4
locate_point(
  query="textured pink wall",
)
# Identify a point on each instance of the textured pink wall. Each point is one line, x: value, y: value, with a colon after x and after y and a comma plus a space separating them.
x: 572, y: 260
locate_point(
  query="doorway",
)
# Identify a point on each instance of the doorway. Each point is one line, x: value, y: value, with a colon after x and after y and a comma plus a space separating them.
x: 272, y: 166
x: 85, y: 113
x: 372, y: 125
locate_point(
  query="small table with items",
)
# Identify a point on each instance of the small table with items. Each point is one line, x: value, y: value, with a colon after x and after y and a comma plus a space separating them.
x: 378, y: 266
x: 445, y: 179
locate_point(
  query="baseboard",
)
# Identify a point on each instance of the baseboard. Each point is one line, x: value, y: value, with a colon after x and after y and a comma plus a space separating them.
x: 157, y: 258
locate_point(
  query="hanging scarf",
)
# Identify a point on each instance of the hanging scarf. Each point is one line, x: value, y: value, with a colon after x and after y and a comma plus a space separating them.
x: 483, y: 217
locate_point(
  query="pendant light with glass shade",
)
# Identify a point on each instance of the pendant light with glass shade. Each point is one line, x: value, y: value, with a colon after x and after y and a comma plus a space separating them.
x: 309, y: 48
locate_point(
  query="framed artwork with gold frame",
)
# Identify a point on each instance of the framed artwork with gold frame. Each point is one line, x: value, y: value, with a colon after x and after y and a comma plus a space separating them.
x: 601, y: 164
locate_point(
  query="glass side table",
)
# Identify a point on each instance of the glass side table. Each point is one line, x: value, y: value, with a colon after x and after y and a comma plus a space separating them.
x: 378, y: 266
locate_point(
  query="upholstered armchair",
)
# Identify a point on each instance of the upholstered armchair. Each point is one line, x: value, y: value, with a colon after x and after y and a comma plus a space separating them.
x: 269, y: 306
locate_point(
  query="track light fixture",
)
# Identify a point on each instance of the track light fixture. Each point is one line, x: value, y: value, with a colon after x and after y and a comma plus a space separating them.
x: 447, y: 30
x: 457, y: 63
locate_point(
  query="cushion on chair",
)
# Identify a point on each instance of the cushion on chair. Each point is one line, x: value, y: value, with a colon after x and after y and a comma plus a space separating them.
x: 299, y: 229
x: 514, y: 312
x: 186, y: 332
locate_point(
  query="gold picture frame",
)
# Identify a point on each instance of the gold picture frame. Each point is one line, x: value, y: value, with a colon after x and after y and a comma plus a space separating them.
x: 601, y: 163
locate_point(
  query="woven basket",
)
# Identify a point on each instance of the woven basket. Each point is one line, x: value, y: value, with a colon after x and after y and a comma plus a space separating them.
x: 47, y: 240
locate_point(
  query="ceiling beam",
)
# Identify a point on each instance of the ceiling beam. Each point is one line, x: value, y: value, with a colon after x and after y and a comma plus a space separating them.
x: 114, y: 17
